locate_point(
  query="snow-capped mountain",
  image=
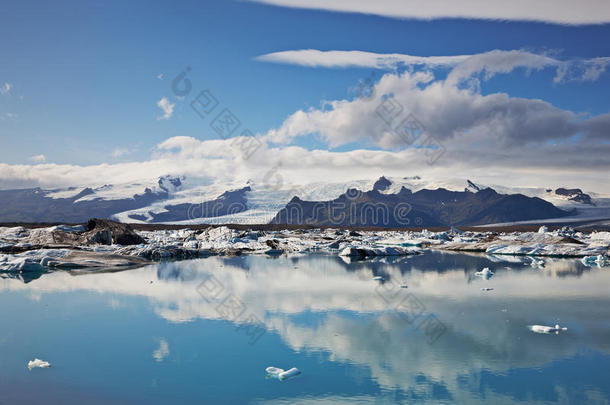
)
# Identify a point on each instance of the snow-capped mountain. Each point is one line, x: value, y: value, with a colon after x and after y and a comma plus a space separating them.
x: 181, y: 200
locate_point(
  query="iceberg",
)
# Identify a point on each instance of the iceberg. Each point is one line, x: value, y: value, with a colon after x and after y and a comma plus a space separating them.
x: 37, y: 363
x: 280, y: 374
x: 547, y: 329
x: 598, y: 260
x: 485, y: 273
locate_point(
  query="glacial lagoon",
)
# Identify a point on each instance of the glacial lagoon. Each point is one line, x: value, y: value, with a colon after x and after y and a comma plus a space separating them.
x: 203, y: 331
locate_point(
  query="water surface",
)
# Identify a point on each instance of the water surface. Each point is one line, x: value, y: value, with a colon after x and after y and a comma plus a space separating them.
x: 203, y: 331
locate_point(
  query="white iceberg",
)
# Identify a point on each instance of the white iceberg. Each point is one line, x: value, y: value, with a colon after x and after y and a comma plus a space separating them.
x: 37, y: 363
x: 485, y: 273
x: 547, y: 329
x: 281, y: 374
x: 599, y: 260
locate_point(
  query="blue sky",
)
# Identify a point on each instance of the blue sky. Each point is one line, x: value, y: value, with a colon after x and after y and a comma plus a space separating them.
x: 84, y: 83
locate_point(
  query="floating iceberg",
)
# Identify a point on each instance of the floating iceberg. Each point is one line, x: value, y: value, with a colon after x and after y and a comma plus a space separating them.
x: 547, y: 329
x: 280, y: 374
x: 485, y: 273
x: 37, y: 363
x: 598, y: 260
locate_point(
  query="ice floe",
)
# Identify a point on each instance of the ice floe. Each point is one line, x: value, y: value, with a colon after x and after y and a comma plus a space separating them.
x: 281, y: 374
x: 547, y: 329
x: 598, y: 260
x: 18, y: 243
x: 37, y: 363
x: 485, y: 273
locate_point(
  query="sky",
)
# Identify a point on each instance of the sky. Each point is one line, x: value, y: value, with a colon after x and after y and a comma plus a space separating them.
x: 513, y: 94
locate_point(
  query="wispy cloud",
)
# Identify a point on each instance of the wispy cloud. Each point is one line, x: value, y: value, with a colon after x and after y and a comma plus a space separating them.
x: 464, y: 66
x: 160, y: 76
x: 167, y: 107
x: 8, y: 116
x: 38, y: 158
x: 120, y: 152
x: 342, y: 59
x: 5, y: 88
x: 567, y: 12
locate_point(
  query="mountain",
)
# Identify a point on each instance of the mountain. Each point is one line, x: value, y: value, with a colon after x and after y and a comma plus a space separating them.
x: 229, y: 202
x: 574, y: 194
x: 416, y: 201
x: 439, y: 207
x: 37, y: 205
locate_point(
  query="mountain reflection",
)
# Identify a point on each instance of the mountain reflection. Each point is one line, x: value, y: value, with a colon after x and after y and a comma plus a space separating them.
x: 359, y: 321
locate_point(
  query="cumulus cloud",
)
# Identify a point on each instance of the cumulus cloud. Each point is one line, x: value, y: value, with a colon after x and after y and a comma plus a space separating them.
x: 445, y: 110
x: 38, y: 159
x: 448, y: 110
x: 493, y: 138
x: 167, y: 107
x: 221, y: 163
x: 550, y: 11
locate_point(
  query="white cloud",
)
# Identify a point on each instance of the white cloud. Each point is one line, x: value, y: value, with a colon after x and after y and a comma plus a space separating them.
x: 551, y: 11
x: 120, y: 152
x: 464, y: 66
x: 5, y: 88
x: 167, y: 107
x: 446, y: 110
x: 160, y: 76
x: 339, y: 59
x: 493, y: 138
x: 38, y: 158
x: 220, y: 163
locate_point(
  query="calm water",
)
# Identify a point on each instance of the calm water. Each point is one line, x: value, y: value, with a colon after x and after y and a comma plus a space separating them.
x: 175, y: 332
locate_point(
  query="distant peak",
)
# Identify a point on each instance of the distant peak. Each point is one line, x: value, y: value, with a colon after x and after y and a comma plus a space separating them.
x: 470, y: 186
x: 475, y: 188
x: 382, y: 184
x: 574, y: 194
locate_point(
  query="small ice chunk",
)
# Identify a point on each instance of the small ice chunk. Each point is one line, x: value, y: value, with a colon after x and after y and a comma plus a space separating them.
x: 281, y: 374
x: 378, y: 278
x: 543, y: 229
x: 289, y: 373
x: 274, y: 370
x: 485, y: 273
x: 37, y: 363
x: 599, y: 260
x: 547, y: 329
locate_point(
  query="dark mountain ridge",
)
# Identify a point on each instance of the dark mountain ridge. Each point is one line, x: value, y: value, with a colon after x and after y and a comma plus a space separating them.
x: 439, y: 207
